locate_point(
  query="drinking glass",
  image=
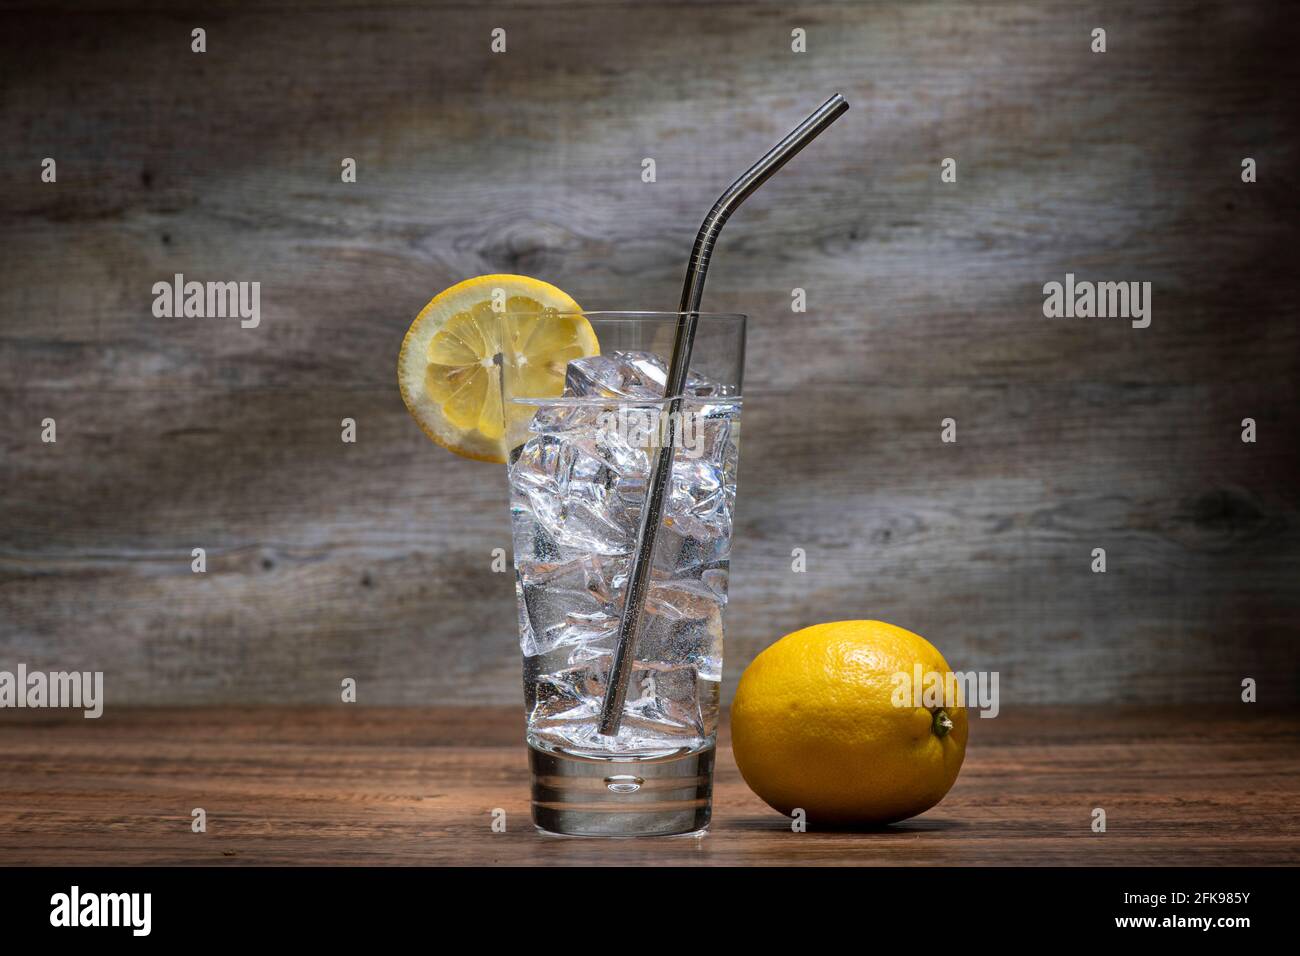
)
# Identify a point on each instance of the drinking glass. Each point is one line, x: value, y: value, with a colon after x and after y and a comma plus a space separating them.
x: 579, y: 468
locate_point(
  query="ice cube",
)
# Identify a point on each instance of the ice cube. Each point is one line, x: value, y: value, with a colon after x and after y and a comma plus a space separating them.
x: 569, y: 486
x: 682, y: 625
x: 569, y: 603
x: 698, y: 504
x: 667, y: 706
x: 578, y: 485
x: 627, y: 375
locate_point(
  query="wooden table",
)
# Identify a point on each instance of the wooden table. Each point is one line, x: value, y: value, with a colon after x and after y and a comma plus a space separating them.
x: 418, y: 786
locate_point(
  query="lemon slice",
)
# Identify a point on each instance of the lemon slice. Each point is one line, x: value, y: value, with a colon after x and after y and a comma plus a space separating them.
x: 450, y: 366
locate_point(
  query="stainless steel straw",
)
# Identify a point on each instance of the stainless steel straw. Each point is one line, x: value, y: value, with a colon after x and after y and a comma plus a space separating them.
x: 611, y: 711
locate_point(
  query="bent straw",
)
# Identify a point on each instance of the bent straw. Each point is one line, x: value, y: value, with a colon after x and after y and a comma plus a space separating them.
x: 620, y: 672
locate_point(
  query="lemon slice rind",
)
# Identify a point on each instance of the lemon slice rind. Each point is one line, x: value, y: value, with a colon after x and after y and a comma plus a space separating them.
x: 447, y: 370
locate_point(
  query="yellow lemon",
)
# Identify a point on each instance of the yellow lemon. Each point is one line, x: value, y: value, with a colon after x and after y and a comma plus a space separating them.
x: 815, y: 725
x: 449, y: 369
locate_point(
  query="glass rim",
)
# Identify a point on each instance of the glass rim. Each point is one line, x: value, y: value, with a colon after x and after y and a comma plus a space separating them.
x: 632, y: 315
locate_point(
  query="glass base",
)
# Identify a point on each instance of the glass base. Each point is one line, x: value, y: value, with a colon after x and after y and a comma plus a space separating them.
x: 584, y: 796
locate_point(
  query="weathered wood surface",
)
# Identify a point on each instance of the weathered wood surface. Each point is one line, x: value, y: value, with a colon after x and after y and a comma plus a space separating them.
x: 349, y: 785
x: 373, y: 560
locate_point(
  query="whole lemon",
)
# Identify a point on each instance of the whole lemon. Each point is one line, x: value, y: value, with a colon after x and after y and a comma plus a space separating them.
x: 814, y: 725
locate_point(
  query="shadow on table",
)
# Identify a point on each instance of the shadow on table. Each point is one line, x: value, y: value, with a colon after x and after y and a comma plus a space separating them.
x: 768, y: 824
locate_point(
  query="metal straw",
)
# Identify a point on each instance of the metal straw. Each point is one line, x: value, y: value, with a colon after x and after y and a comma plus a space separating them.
x: 611, y: 711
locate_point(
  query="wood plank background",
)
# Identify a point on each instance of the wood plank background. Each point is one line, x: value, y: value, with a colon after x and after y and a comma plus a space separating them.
x: 372, y: 560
